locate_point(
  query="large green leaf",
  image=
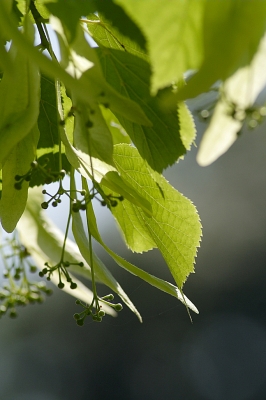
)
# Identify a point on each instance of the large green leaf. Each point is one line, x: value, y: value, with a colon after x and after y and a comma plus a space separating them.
x: 174, y: 225
x: 145, y: 276
x: 174, y: 35
x: 160, y: 144
x: 13, y: 201
x: 19, y: 97
x: 82, y: 63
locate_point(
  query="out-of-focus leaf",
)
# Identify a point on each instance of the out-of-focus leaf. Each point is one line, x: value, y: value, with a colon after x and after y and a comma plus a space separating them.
x: 238, y: 93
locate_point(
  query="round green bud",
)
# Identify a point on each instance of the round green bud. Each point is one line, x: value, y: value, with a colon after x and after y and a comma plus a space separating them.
x: 45, y: 270
x: 66, y: 263
x: 28, y: 178
x: 121, y: 198
x: 118, y: 307
x: 18, y: 186
x: 62, y: 122
x: 81, y: 264
x: 80, y: 322
x: 44, y: 191
x: 33, y: 268
x: 113, y: 203
x: 101, y: 313
x: 83, y: 207
x: 17, y: 177
x: 41, y: 274
x: 83, y: 192
x: 76, y: 316
x: 61, y: 285
x: 45, y: 205
x: 73, y: 285
x: 13, y: 314
x: 59, y: 201
x: 78, y: 302
x: 54, y: 203
x: 103, y: 203
x: 89, y: 124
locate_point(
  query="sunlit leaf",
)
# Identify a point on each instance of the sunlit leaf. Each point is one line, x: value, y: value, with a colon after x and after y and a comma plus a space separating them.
x: 174, y: 225
x: 160, y: 144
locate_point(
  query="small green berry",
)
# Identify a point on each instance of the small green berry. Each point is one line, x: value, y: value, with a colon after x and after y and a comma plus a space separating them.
x: 13, y: 313
x: 54, y: 203
x: 44, y: 205
x: 44, y: 191
x: 33, y: 268
x: 17, y: 177
x: 81, y: 264
x: 73, y: 285
x: 61, y: 285
x: 41, y: 274
x: 66, y: 263
x: 118, y: 307
x: 113, y: 203
x: 80, y: 322
x: 76, y: 316
x: 89, y: 124
x: 101, y: 313
x: 18, y: 186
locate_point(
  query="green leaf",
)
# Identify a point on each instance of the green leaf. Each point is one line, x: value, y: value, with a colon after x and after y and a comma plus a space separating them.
x: 174, y: 225
x: 119, y: 134
x: 69, y: 12
x: 91, y: 134
x: 145, y: 276
x: 13, y: 201
x: 238, y: 94
x: 160, y: 144
x: 108, y: 35
x: 48, y: 117
x: 173, y: 33
x: 19, y: 98
x: 103, y: 274
x: 187, y: 125
x: 228, y: 44
x: 81, y: 61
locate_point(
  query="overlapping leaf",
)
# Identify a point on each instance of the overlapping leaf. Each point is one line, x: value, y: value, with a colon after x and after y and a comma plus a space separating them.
x: 174, y: 35
x: 145, y: 276
x: 161, y: 144
x: 238, y: 94
x: 174, y: 226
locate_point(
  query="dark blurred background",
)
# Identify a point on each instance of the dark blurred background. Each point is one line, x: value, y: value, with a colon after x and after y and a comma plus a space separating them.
x: 44, y: 355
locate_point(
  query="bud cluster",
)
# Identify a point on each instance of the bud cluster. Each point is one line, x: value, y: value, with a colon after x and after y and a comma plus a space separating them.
x: 61, y: 268
x: 19, y: 290
x: 95, y: 310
